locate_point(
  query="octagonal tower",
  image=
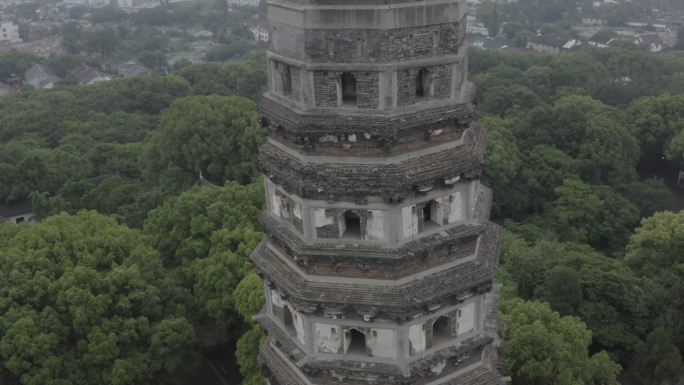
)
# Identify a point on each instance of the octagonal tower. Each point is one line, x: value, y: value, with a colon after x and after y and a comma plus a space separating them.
x: 380, y: 257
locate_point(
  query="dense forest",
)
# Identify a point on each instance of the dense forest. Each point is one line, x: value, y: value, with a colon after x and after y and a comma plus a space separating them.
x: 148, y: 195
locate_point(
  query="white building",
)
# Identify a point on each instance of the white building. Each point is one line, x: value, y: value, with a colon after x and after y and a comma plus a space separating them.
x: 9, y: 32
x: 244, y: 3
x: 137, y: 3
x: 260, y: 31
x: 86, y: 3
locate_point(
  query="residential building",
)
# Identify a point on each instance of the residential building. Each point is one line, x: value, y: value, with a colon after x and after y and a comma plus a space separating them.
x: 138, y: 3
x: 40, y: 77
x: 132, y: 70
x: 651, y: 41
x: 86, y: 75
x: 260, y: 31
x: 601, y: 39
x: 244, y: 3
x: 6, y: 89
x: 17, y: 212
x: 9, y: 32
x: 549, y: 44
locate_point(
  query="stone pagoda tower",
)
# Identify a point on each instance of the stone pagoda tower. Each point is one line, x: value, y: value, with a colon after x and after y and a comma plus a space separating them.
x: 380, y: 258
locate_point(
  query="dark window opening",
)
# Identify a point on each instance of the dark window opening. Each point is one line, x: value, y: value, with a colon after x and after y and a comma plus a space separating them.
x: 411, y: 44
x: 359, y: 47
x: 19, y: 220
x: 348, y: 89
x: 441, y: 330
x: 351, y: 226
x: 432, y: 215
x: 287, y: 81
x: 423, y: 84
x: 287, y: 320
x: 356, y: 342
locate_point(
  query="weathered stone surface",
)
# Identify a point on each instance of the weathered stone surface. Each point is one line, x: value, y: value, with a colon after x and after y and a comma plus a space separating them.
x: 322, y: 179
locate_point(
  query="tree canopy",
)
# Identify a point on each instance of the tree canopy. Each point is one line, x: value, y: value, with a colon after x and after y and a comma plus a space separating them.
x: 86, y: 301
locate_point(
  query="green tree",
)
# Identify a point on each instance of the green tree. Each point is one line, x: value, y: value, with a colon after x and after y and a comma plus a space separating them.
x: 544, y: 348
x: 648, y: 196
x: 86, y: 301
x: 674, y: 151
x: 249, y: 298
x: 656, y: 249
x: 592, y: 214
x: 215, y: 135
x: 206, y: 235
x: 589, y: 131
x: 657, y: 360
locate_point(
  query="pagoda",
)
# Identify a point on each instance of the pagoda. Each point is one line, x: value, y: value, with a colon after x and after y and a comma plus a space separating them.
x: 380, y: 257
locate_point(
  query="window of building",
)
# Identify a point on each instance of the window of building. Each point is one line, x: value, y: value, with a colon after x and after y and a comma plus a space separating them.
x: 411, y: 44
x: 331, y: 47
x: 433, y: 215
x: 350, y: 225
x: 288, y: 321
x: 348, y: 89
x: 423, y: 84
x: 359, y: 47
x: 355, y: 342
x: 441, y: 330
x: 19, y: 220
x: 287, y: 81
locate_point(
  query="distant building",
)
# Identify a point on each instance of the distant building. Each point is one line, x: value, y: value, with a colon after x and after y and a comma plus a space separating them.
x: 137, y: 3
x: 260, y: 31
x: 488, y: 43
x: 9, y: 32
x: 6, y: 89
x: 651, y: 41
x: 86, y: 75
x: 476, y: 28
x: 132, y: 70
x: 592, y: 20
x: 244, y: 3
x: 549, y: 44
x: 40, y: 78
x: 17, y: 212
x: 601, y: 39
x: 86, y: 3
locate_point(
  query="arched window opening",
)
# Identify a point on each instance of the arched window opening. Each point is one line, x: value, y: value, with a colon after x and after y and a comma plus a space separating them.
x: 433, y: 215
x: 441, y: 330
x: 355, y: 342
x: 348, y: 87
x: 423, y: 84
x: 288, y: 321
x: 350, y: 225
x: 287, y: 81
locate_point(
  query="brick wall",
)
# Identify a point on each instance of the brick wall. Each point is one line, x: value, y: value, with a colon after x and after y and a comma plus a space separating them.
x: 382, y: 46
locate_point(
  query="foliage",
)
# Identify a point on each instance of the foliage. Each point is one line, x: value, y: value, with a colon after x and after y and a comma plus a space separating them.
x: 592, y: 214
x: 579, y: 281
x: 249, y: 298
x: 214, y: 135
x: 656, y: 249
x: 87, y: 301
x: 246, y: 353
x: 544, y: 348
x: 657, y: 360
x: 206, y: 235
